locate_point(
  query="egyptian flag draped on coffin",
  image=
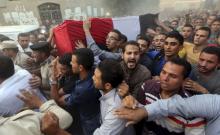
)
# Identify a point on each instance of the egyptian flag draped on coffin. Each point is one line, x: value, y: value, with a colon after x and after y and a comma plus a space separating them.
x: 67, y: 33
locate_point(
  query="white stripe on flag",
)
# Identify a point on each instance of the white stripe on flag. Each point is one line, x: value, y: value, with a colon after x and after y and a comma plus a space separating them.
x: 129, y: 26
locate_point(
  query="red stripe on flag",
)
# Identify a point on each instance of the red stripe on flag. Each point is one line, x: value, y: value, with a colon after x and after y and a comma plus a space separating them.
x: 67, y: 33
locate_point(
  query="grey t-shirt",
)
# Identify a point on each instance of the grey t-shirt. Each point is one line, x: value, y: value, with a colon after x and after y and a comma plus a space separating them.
x: 211, y: 83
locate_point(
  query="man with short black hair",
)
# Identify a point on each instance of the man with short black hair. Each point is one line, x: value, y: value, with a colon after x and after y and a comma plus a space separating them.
x: 135, y: 74
x: 23, y: 43
x: 144, y: 44
x: 192, y: 51
x: 205, y: 76
x: 113, y: 41
x: 187, y: 33
x: 108, y: 75
x: 84, y: 97
x: 172, y: 45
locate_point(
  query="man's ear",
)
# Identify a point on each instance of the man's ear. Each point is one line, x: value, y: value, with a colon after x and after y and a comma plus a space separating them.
x: 81, y: 68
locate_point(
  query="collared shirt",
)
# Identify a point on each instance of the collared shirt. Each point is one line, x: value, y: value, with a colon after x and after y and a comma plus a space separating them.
x: 101, y: 53
x: 110, y: 124
x: 10, y: 88
x: 85, y: 98
x: 205, y: 106
x: 28, y: 122
x: 27, y: 50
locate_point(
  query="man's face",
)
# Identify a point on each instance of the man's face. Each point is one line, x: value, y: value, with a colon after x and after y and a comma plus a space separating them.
x: 171, y: 47
x: 174, y: 24
x: 143, y: 45
x: 171, y: 77
x: 64, y: 70
x: 201, y: 37
x: 33, y: 39
x: 75, y: 65
x: 210, y: 20
x: 112, y: 40
x: 215, y: 27
x: 23, y: 41
x: 159, y: 41
x: 207, y: 62
x: 198, y: 22
x: 186, y: 32
x: 97, y: 80
x: 131, y: 56
x: 37, y: 56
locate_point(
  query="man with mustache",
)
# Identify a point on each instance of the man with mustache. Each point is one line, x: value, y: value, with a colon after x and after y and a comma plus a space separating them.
x: 135, y: 74
x: 204, y: 77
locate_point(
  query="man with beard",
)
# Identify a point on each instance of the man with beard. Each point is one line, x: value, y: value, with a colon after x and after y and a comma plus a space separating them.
x: 113, y: 41
x: 135, y: 74
x: 172, y: 45
x: 205, y: 77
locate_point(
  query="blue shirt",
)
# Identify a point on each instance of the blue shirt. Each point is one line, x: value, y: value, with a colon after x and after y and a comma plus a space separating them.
x: 85, y: 98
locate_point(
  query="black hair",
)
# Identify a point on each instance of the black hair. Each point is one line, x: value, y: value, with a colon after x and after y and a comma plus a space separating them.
x: 124, y: 38
x: 212, y: 50
x: 206, y: 29
x: 111, y: 72
x: 176, y: 35
x: 145, y: 38
x: 85, y: 57
x: 6, y: 67
x: 118, y: 32
x: 131, y: 42
x: 182, y: 62
x: 65, y: 59
x: 23, y: 35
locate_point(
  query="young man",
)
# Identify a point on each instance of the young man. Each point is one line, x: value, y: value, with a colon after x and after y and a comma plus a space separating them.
x: 144, y: 44
x: 108, y: 75
x: 170, y: 83
x: 172, y: 45
x: 215, y: 31
x: 113, y: 41
x: 83, y: 97
x: 200, y: 41
x: 187, y: 33
x: 135, y: 74
x: 205, y: 76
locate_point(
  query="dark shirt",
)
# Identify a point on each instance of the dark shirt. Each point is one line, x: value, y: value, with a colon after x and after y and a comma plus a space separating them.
x: 85, y: 98
x: 150, y: 93
x: 146, y: 61
x: 158, y: 63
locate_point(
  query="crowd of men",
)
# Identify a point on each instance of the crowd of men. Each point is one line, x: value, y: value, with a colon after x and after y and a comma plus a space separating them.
x: 164, y: 83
